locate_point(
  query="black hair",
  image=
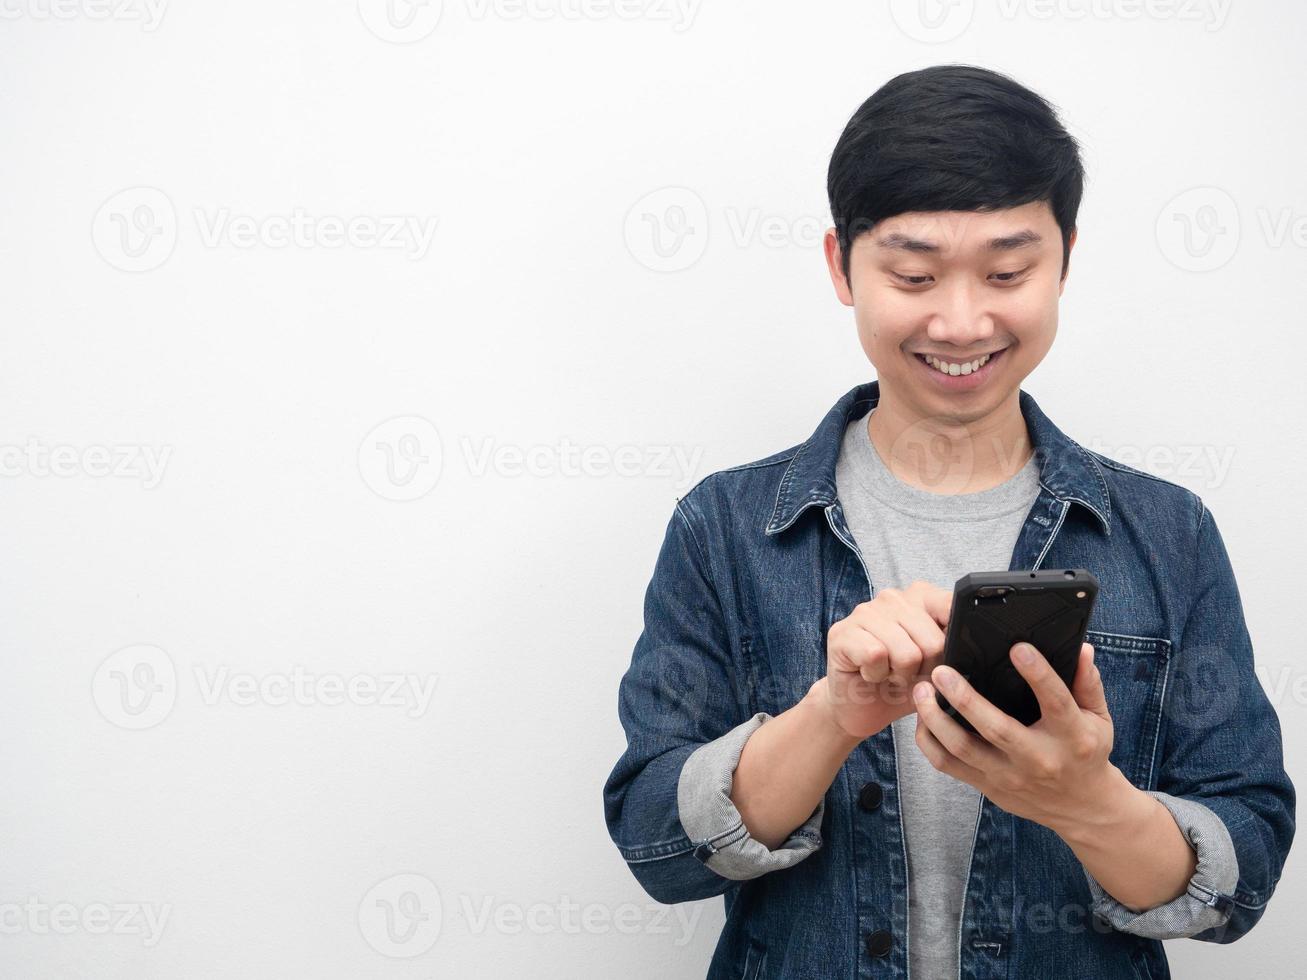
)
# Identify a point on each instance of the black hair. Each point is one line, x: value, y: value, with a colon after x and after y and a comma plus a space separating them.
x: 952, y: 138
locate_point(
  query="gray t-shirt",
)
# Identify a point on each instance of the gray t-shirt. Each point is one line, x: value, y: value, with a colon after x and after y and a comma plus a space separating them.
x: 906, y: 534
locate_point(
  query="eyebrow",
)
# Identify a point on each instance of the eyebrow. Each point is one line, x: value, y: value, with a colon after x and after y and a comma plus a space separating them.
x: 1005, y: 243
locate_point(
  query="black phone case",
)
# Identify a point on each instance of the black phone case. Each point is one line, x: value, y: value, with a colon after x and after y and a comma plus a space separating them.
x: 1049, y: 609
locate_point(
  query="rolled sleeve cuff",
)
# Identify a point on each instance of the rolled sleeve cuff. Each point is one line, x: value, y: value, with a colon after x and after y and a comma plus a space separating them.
x: 1207, y: 902
x: 714, y: 825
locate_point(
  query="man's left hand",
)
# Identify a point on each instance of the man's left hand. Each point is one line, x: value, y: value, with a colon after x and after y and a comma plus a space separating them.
x: 1053, y: 772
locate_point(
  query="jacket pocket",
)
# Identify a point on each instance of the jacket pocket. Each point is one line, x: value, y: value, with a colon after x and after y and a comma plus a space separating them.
x: 1135, y: 670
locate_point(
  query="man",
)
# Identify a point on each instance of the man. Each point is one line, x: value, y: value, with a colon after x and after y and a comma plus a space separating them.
x: 785, y: 748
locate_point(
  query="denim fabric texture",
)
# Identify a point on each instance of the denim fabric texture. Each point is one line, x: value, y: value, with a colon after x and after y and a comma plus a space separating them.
x: 757, y: 563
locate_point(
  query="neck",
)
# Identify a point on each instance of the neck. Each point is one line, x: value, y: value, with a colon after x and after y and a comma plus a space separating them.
x: 944, y: 454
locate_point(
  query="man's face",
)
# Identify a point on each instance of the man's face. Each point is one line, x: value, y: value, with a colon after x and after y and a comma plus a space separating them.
x: 958, y: 285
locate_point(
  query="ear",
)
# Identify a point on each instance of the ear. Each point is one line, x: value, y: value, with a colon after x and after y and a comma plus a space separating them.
x: 831, y: 245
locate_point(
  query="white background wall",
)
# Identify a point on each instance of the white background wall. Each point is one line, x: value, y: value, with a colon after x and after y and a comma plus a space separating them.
x: 157, y: 324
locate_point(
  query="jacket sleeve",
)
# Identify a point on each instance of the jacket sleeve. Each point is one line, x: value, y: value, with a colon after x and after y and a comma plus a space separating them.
x: 710, y: 817
x: 1222, y: 748
x: 684, y: 699
x: 1192, y: 911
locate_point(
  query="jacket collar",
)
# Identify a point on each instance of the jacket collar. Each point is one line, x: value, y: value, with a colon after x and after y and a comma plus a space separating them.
x: 1066, y: 469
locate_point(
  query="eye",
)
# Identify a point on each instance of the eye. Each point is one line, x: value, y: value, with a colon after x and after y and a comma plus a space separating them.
x: 912, y: 280
x: 1008, y: 276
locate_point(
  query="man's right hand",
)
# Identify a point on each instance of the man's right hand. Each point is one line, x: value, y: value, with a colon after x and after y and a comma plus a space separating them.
x: 879, y: 651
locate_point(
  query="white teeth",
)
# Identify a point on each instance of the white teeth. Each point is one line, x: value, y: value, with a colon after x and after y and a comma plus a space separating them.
x: 956, y: 369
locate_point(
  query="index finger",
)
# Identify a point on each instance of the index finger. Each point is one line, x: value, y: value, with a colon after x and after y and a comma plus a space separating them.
x: 937, y: 601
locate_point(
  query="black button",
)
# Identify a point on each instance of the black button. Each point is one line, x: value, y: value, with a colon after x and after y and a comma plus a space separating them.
x: 869, y: 796
x: 879, y: 942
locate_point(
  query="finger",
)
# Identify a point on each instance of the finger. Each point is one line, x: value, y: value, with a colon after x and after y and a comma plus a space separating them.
x: 966, y: 747
x: 928, y: 638
x: 873, y: 662
x: 937, y: 602
x: 994, y: 725
x: 854, y: 649
x: 940, y: 757
x: 1087, y: 688
x: 894, y: 638
x: 870, y: 657
x: 1055, y: 700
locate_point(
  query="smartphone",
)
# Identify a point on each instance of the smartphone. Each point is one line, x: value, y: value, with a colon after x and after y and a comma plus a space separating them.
x: 992, y: 611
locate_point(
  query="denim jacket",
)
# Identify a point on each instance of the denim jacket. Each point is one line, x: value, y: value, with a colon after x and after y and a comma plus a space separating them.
x: 757, y: 563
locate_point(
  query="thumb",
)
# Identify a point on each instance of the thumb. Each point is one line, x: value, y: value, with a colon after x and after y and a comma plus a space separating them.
x: 1087, y: 687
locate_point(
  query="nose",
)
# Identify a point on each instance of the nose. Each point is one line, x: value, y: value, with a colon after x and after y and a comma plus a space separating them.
x: 962, y: 319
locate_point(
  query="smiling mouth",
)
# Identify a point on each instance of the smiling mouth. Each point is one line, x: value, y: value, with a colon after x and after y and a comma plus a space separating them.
x: 957, y: 369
